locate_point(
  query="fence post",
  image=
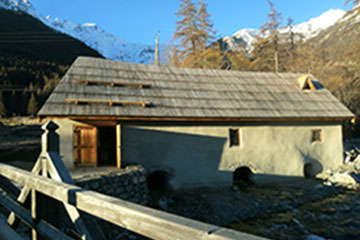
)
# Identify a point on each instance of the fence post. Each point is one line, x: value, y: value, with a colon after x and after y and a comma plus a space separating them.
x: 50, y: 139
x: 33, y: 212
x: 49, y: 143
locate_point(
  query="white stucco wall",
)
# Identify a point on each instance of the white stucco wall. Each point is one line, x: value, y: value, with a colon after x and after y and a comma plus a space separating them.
x: 66, y: 134
x: 202, y: 156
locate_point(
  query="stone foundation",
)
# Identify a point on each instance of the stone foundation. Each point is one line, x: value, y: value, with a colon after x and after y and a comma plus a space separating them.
x: 128, y: 183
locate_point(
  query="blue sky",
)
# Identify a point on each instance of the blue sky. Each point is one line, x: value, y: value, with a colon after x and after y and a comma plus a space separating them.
x: 140, y: 20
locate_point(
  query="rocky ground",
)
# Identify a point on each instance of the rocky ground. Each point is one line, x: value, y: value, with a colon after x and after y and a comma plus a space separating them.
x: 335, y: 217
x: 294, y: 210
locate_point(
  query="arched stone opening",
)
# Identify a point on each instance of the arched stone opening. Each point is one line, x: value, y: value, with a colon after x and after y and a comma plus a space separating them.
x: 158, y: 180
x: 242, y: 175
x: 308, y: 170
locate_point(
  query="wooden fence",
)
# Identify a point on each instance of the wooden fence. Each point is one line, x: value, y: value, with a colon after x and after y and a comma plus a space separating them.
x: 56, y: 183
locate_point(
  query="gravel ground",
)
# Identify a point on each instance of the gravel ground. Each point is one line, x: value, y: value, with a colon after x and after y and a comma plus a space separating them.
x: 294, y: 210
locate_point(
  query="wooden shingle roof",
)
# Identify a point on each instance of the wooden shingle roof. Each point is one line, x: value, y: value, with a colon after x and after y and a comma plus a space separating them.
x: 111, y: 89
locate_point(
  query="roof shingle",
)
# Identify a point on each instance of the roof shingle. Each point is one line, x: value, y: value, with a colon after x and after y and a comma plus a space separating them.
x: 189, y: 93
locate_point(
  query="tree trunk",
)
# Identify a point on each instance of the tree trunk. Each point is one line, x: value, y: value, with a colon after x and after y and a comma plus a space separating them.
x: 276, y: 61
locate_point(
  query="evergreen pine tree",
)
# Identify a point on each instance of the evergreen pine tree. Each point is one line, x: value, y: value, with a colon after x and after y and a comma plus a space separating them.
x: 262, y: 56
x: 32, y: 105
x: 187, y: 29
x: 206, y: 31
x: 291, y: 33
x: 193, y: 33
x: 174, y: 58
x: 2, y: 106
x: 290, y: 53
x: 239, y: 60
x: 271, y: 28
x: 212, y: 58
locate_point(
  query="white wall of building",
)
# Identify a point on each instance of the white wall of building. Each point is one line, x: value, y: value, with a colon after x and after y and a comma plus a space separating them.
x: 202, y: 156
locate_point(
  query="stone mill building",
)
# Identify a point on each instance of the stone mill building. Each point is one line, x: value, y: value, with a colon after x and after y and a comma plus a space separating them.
x: 198, y: 126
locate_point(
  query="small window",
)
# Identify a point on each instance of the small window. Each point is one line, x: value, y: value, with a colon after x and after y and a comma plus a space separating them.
x: 306, y: 86
x: 305, y: 83
x: 316, y: 135
x: 234, y: 137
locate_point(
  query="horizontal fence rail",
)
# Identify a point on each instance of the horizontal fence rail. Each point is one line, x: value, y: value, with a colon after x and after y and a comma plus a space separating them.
x: 44, y: 228
x: 146, y: 221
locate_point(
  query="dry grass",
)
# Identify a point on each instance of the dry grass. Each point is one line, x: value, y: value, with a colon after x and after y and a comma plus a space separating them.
x: 14, y: 121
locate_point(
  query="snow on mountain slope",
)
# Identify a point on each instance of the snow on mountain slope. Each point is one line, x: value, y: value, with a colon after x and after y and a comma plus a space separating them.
x: 312, y: 27
x: 106, y: 44
x: 114, y: 47
x: 247, y: 37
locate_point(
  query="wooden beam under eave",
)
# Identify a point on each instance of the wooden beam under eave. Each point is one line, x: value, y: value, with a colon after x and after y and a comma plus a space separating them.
x: 118, y: 145
x: 113, y: 83
x: 197, y: 119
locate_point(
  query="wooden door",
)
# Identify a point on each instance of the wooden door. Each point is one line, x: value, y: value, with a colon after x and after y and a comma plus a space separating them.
x: 85, y: 145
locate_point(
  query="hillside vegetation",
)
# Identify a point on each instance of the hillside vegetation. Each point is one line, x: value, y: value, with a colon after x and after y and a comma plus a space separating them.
x: 33, y: 58
x: 332, y: 56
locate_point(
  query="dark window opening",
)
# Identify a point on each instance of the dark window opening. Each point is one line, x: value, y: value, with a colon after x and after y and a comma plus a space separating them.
x: 107, y: 146
x: 158, y: 180
x: 308, y: 170
x: 306, y: 86
x: 306, y: 83
x: 242, y: 175
x: 316, y: 135
x: 234, y: 137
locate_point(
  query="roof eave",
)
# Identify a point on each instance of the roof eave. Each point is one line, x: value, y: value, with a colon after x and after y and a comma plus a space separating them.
x: 200, y: 119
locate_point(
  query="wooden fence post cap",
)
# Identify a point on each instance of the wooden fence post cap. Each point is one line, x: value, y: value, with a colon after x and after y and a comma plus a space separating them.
x: 50, y: 126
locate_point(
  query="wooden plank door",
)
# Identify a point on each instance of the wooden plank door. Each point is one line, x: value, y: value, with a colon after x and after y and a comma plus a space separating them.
x: 85, y: 145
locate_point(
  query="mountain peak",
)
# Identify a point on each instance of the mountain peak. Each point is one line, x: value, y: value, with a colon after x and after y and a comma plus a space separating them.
x: 107, y: 44
x: 316, y: 24
x: 246, y: 37
x: 90, y: 25
x: 19, y: 5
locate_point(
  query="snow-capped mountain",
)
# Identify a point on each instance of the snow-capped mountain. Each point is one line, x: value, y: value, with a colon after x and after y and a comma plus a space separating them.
x: 245, y: 38
x: 107, y: 44
x: 20, y: 5
x: 117, y: 48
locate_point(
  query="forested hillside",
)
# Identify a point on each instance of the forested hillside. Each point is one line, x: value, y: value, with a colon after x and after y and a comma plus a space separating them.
x: 332, y: 56
x: 33, y: 57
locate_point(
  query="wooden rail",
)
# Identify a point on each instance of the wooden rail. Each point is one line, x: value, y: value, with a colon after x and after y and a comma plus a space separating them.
x: 143, y: 220
x: 110, y: 102
x: 44, y: 228
x: 113, y: 83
